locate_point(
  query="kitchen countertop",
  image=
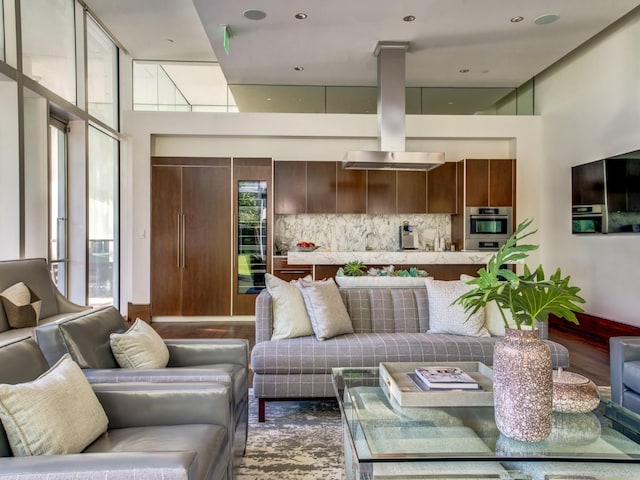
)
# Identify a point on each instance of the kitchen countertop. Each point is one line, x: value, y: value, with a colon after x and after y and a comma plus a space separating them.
x: 405, y: 257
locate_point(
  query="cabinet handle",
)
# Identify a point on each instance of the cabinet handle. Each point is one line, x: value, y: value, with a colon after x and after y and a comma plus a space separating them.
x: 179, y: 242
x: 184, y: 228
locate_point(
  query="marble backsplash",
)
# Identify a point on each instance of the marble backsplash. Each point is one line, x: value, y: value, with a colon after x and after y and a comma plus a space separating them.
x: 354, y: 232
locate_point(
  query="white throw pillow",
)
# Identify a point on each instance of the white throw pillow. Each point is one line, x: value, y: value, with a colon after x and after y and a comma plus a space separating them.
x: 329, y: 316
x: 58, y: 413
x: 139, y: 347
x: 493, y: 318
x: 452, y: 319
x: 290, y: 317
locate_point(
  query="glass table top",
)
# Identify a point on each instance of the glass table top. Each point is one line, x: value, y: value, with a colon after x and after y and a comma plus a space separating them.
x: 380, y: 430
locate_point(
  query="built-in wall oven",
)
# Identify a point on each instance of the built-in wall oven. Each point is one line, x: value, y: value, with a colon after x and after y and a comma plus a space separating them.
x: 588, y: 219
x: 487, y: 228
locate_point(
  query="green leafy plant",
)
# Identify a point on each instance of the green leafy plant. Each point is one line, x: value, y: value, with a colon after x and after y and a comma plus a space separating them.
x: 354, y: 269
x: 529, y: 297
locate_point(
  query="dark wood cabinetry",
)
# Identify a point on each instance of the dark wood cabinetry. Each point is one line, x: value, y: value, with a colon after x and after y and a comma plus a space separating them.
x: 321, y: 187
x: 283, y: 270
x: 351, y: 195
x: 587, y: 182
x: 412, y: 192
x: 442, y: 189
x: 290, y: 180
x: 190, y: 241
x: 381, y: 191
x: 489, y: 183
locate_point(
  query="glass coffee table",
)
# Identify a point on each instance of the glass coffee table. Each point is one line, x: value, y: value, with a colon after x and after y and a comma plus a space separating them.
x: 383, y: 440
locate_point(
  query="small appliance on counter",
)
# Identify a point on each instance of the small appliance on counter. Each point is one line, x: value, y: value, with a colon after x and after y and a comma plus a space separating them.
x: 408, y: 240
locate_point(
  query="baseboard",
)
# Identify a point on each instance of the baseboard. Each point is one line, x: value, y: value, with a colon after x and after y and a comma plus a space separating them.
x: 600, y: 329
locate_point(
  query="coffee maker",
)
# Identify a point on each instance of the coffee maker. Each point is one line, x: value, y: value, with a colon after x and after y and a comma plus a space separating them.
x: 408, y: 240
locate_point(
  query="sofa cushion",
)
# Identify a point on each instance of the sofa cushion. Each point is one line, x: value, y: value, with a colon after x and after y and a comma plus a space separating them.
x: 139, y: 347
x: 327, y: 312
x: 444, y: 317
x: 631, y: 375
x: 290, y: 317
x: 55, y: 414
x: 21, y: 306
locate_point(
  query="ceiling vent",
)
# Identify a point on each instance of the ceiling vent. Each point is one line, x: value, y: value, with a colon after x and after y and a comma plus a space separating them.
x: 391, y: 154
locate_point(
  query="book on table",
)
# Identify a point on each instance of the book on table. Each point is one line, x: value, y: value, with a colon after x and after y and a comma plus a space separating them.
x: 445, y: 377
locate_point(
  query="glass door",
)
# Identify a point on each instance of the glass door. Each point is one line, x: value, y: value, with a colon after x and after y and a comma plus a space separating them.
x: 252, y: 236
x: 58, y: 251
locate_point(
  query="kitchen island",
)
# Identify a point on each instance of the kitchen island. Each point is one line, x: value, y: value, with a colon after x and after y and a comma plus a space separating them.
x: 440, y: 265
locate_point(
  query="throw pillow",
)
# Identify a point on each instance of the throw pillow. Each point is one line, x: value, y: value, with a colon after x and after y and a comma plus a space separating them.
x: 58, y: 413
x: 493, y: 318
x: 290, y: 317
x: 329, y: 316
x: 447, y: 318
x: 139, y: 347
x: 21, y: 305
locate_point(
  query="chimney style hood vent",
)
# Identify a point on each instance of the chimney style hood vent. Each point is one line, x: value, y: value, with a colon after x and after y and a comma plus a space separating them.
x: 391, y: 119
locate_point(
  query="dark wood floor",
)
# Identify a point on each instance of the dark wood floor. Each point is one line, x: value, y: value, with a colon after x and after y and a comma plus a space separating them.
x: 588, y: 356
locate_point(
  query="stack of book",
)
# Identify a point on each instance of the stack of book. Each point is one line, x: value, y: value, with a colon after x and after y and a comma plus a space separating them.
x: 443, y: 378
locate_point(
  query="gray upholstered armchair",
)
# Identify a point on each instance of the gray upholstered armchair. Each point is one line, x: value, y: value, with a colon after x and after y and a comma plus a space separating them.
x: 169, y: 431
x: 625, y: 371
x: 86, y: 339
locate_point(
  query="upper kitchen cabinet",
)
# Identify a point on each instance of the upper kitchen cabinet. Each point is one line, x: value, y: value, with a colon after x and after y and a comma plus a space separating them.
x: 351, y: 194
x: 442, y: 189
x: 290, y: 179
x: 587, y: 184
x: 321, y: 187
x: 381, y: 191
x: 489, y: 183
x: 412, y: 192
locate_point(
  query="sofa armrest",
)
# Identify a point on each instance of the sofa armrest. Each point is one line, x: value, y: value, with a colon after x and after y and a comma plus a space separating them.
x: 67, y: 306
x: 621, y: 350
x: 194, y: 352
x: 148, y: 404
x: 156, y: 375
x: 264, y: 316
x: 116, y: 466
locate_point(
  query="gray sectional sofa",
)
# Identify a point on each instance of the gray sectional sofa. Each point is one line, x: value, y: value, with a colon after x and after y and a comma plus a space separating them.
x: 389, y: 326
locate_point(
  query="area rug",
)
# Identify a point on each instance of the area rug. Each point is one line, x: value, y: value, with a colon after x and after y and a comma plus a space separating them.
x: 298, y: 441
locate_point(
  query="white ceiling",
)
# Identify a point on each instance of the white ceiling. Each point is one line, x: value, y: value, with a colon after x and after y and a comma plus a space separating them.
x: 335, y: 43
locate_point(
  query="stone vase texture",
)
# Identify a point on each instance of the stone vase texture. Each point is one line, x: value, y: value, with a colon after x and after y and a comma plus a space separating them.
x: 523, y: 386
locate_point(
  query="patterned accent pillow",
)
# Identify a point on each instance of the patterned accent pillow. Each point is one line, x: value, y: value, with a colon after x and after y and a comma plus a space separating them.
x: 452, y: 319
x: 329, y: 316
x: 290, y: 317
x: 57, y: 413
x: 21, y: 305
x: 139, y: 347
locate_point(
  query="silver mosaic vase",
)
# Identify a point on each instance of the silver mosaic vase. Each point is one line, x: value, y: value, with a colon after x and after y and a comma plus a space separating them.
x: 523, y: 386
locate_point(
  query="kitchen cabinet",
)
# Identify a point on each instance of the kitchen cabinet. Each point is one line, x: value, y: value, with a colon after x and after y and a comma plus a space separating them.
x: 283, y: 270
x: 381, y: 191
x: 321, y: 187
x: 190, y: 241
x: 489, y: 183
x: 587, y: 184
x: 412, y: 192
x: 290, y: 180
x: 351, y: 194
x: 442, y: 189
x: 253, y: 239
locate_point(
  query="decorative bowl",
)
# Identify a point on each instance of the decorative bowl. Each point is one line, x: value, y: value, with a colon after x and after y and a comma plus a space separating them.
x: 306, y: 249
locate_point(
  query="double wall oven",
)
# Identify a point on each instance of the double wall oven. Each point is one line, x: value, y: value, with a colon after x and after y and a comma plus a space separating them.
x: 487, y: 228
x: 588, y: 219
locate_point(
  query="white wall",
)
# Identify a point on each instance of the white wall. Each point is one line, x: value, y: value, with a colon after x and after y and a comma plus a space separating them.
x: 299, y: 137
x: 9, y: 180
x: 590, y: 105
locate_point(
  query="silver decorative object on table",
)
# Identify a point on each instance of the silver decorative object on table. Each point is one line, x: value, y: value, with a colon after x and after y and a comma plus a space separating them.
x: 522, y: 386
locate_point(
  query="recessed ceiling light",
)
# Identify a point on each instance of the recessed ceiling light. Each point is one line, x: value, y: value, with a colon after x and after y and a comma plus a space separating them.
x: 254, y: 14
x: 298, y: 68
x: 268, y: 99
x: 546, y: 19
x: 464, y: 70
x: 409, y: 18
x: 301, y: 16
x: 170, y: 40
x: 517, y: 19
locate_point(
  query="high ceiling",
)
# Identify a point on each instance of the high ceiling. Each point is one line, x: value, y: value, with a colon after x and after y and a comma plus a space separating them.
x: 453, y: 43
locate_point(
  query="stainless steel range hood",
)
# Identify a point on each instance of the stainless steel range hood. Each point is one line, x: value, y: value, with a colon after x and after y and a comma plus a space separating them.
x: 391, y: 154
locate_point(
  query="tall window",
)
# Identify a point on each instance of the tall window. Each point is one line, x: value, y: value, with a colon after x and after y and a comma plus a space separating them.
x: 48, y: 45
x: 102, y: 57
x: 3, y: 55
x: 58, y: 204
x: 103, y: 244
